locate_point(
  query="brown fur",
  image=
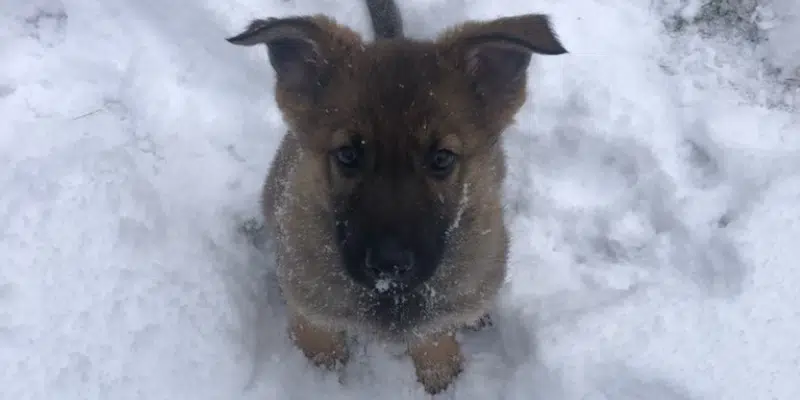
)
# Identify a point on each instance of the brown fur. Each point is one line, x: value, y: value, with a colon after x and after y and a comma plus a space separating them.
x: 401, y: 97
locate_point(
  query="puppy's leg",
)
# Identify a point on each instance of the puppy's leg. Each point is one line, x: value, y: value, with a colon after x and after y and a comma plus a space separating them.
x: 437, y: 361
x: 323, y: 347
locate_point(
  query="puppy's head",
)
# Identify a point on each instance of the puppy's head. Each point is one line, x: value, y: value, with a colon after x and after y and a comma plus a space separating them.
x: 403, y: 135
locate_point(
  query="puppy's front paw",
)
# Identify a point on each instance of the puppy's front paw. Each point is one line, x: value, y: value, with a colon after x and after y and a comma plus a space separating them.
x: 321, y: 346
x: 437, y: 361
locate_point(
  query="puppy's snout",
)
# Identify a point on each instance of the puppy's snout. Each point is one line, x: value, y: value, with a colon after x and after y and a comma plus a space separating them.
x: 388, y: 259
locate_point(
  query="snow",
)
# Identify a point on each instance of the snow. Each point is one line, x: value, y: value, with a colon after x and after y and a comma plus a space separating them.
x: 653, y: 201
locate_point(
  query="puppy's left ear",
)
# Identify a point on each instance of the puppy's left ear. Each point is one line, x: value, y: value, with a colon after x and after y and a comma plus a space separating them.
x: 304, y: 51
x: 494, y: 55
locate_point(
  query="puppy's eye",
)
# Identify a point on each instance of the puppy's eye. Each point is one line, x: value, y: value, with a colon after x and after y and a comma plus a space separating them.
x: 348, y: 157
x: 442, y: 162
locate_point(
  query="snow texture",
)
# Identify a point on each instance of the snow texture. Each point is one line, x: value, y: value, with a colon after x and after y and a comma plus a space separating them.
x: 654, y: 200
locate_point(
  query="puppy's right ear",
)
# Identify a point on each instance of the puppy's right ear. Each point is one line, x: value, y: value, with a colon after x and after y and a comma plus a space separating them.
x: 302, y: 50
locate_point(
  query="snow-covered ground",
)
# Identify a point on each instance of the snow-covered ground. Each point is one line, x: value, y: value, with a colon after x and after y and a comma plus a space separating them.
x: 654, y: 199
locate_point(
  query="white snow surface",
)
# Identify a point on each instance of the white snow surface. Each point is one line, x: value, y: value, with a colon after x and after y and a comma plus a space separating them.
x: 653, y: 197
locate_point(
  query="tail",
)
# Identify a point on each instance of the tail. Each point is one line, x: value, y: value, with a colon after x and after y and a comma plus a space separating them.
x: 386, y: 20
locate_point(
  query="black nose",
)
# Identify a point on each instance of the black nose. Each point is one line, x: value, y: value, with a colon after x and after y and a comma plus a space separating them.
x: 388, y: 259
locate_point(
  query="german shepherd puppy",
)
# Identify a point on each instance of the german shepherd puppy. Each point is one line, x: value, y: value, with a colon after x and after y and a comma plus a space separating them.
x: 384, y: 197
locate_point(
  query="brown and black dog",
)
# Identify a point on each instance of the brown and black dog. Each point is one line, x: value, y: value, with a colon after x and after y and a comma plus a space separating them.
x: 384, y: 197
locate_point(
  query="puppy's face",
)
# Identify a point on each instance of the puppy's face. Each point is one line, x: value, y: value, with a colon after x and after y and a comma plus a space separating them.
x: 404, y: 136
x: 394, y: 195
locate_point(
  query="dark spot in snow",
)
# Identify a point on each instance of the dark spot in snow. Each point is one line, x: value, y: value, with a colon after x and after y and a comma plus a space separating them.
x: 48, y: 26
x: 7, y: 90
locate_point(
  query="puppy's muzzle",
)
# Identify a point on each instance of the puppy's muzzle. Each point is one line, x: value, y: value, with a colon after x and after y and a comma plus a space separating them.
x: 388, y: 261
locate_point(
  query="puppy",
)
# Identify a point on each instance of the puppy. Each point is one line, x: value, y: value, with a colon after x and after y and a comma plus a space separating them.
x: 384, y: 197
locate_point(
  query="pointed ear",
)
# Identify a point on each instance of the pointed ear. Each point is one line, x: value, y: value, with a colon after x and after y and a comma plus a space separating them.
x: 302, y: 50
x: 494, y: 55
